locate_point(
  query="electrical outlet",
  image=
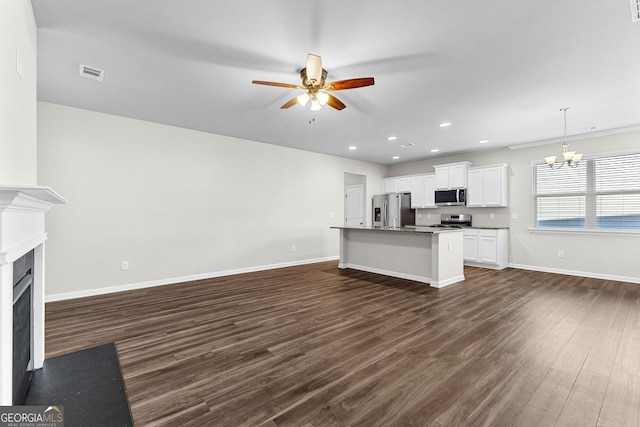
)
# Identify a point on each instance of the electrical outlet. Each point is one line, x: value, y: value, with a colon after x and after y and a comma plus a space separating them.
x: 293, y: 248
x: 331, y: 215
x: 428, y: 216
x: 492, y: 215
x: 419, y: 215
x: 560, y: 254
x: 124, y: 265
x: 514, y: 215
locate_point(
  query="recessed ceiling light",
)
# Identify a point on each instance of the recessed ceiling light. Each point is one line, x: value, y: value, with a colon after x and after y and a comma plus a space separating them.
x: 353, y: 147
x: 445, y: 124
x: 395, y: 157
x: 484, y: 141
x: 435, y: 150
x: 392, y: 138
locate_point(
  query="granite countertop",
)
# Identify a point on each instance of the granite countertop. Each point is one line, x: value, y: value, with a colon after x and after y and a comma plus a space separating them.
x: 470, y: 227
x: 409, y: 229
x: 487, y: 228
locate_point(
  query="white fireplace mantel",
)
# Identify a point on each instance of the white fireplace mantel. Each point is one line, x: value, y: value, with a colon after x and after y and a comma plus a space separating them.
x: 22, y: 211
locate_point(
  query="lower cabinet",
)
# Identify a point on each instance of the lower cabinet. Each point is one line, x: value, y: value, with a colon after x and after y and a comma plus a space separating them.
x: 486, y: 247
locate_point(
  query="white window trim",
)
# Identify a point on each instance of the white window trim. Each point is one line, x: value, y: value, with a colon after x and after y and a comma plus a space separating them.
x: 621, y: 233
x: 576, y: 231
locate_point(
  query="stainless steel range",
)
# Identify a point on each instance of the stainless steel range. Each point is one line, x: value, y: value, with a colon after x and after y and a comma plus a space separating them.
x: 454, y: 221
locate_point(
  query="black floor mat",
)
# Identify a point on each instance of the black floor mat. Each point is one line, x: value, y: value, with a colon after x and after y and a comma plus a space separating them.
x: 88, y: 383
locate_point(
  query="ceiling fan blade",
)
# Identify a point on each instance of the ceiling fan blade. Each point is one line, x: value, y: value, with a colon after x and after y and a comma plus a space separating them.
x: 290, y: 103
x: 349, y: 84
x: 314, y: 68
x: 335, y: 103
x: 288, y: 85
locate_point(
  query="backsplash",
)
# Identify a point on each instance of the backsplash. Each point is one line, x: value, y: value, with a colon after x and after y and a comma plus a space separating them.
x: 481, y: 216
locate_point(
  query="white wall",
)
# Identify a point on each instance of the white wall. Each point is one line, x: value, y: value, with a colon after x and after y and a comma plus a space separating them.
x: 17, y: 96
x: 175, y: 202
x: 606, y: 256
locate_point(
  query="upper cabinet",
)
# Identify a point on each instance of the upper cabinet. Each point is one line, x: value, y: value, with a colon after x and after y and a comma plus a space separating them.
x: 422, y: 191
x: 421, y: 187
x: 451, y: 175
x: 399, y: 184
x: 390, y: 185
x: 487, y: 186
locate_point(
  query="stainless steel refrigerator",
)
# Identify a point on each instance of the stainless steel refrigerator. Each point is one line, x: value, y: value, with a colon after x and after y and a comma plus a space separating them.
x: 392, y: 210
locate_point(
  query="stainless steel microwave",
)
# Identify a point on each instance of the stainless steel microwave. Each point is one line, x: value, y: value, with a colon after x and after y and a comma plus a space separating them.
x: 455, y: 197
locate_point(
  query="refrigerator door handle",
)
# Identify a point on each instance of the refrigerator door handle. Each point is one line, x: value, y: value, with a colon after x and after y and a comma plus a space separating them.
x: 384, y: 214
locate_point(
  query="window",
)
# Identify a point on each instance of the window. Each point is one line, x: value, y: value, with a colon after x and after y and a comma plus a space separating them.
x: 602, y: 193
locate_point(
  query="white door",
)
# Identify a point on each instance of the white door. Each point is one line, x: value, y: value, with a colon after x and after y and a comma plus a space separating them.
x: 354, y: 205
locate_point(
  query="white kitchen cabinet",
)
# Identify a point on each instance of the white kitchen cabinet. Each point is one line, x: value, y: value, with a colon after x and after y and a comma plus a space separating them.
x: 486, y: 247
x: 422, y: 191
x: 398, y: 184
x: 451, y: 175
x: 390, y: 185
x: 487, y: 186
x: 404, y: 184
x: 470, y: 245
x: 475, y: 187
x: 417, y: 192
x: 429, y: 183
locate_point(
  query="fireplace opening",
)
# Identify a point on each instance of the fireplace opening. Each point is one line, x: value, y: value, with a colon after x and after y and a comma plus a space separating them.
x: 22, y: 326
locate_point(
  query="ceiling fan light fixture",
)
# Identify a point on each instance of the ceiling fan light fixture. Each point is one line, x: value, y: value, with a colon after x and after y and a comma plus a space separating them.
x: 323, y: 98
x: 313, y: 78
x: 314, y: 68
x: 303, y: 99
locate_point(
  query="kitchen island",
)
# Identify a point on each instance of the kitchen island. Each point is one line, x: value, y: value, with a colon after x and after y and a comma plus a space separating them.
x: 424, y: 254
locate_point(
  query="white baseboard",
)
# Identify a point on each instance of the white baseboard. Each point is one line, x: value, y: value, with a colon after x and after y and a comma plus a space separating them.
x: 577, y: 273
x: 173, y: 280
x: 399, y: 275
x: 447, y: 282
x: 489, y: 266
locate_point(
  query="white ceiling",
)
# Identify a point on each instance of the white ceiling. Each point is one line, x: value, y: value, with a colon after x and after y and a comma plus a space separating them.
x: 499, y: 70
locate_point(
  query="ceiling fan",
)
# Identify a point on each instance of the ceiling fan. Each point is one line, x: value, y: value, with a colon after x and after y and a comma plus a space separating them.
x: 313, y: 81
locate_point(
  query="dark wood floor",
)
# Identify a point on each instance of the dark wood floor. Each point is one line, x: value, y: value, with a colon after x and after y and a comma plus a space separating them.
x: 315, y: 345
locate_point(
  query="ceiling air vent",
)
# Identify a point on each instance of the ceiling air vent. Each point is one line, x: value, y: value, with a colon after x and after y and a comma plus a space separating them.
x: 635, y: 10
x: 91, y: 72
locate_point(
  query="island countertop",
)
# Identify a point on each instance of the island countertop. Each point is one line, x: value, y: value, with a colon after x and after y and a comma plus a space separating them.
x: 412, y: 229
x: 430, y: 255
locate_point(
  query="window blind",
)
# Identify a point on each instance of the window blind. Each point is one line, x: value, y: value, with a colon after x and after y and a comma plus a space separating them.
x: 602, y: 193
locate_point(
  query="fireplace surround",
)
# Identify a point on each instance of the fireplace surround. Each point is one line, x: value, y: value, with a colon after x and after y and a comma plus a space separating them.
x: 22, y: 232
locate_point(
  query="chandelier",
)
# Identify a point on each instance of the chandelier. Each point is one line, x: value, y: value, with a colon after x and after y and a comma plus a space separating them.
x: 571, y: 158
